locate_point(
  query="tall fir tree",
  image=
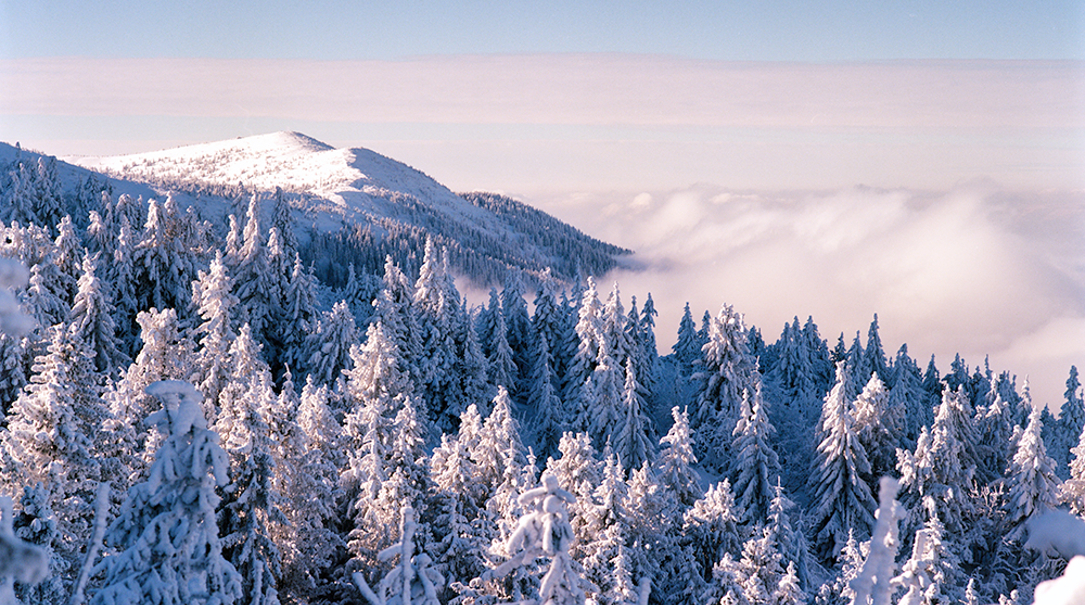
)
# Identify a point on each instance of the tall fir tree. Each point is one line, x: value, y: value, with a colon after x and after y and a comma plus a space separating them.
x: 178, y: 499
x: 757, y: 466
x: 842, y: 500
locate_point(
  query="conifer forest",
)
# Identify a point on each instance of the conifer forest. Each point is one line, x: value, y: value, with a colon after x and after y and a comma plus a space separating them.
x: 244, y: 411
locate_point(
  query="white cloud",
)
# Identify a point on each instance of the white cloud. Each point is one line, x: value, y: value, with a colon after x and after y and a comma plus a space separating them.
x: 952, y: 272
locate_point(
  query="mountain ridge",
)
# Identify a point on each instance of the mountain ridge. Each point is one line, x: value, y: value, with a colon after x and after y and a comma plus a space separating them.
x: 366, y: 202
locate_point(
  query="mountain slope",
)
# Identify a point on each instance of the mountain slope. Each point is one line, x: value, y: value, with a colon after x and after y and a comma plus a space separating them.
x: 357, y: 198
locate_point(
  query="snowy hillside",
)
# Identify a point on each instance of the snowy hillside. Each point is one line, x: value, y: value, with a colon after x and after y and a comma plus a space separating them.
x: 348, y: 189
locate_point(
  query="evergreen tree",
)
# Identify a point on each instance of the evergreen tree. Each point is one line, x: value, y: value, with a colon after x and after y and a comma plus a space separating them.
x: 686, y: 349
x: 252, y: 275
x: 632, y: 443
x: 603, y: 411
x: 907, y: 394
x: 252, y: 504
x: 1033, y: 486
x: 588, y: 339
x: 943, y: 464
x: 1071, y: 422
x: 711, y: 526
x: 164, y: 259
x: 173, y: 515
x: 676, y: 460
x: 91, y: 319
x: 874, y: 355
x: 728, y: 371
x: 842, y: 499
x: 757, y: 463
x: 543, y: 398
x: 214, y: 302
x: 1072, y: 491
x: 878, y: 425
x: 298, y: 313
x: 329, y: 346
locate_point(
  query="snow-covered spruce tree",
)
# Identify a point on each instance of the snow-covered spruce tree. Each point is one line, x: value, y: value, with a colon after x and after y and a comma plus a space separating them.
x: 603, y: 410
x: 873, y: 584
x: 413, y: 580
x: 943, y: 464
x: 790, y: 541
x: 91, y: 319
x: 298, y: 313
x: 376, y: 390
x: 646, y: 353
x: 588, y: 339
x: 841, y: 493
x: 614, y: 327
x: 727, y: 370
x: 21, y: 561
x: 251, y: 505
x: 543, y: 398
x: 838, y: 590
x: 327, y: 347
x: 1072, y: 491
x: 42, y: 302
x: 493, y: 336
x: 214, y: 302
x: 544, y: 531
x: 711, y: 527
x: 394, y: 309
x: 923, y: 577
x: 50, y: 439
x: 253, y: 281
x: 165, y: 257
x: 605, y: 523
x: 165, y: 355
x: 172, y: 515
x: 306, y: 477
x: 1033, y: 486
x: 462, y: 531
x: 756, y: 465
x: 874, y: 361
x: 676, y: 460
x: 120, y: 274
x: 518, y: 323
x: 551, y: 320
x: 878, y: 426
x: 36, y: 524
x: 907, y: 394
x: 632, y: 443
x: 1071, y: 422
x: 687, y: 349
x: 579, y: 469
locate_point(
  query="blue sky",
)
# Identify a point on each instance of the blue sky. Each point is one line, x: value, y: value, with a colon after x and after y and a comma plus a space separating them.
x: 920, y: 160
x: 732, y: 31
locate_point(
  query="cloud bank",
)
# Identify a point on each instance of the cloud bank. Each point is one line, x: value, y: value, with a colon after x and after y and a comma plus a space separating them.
x: 977, y: 270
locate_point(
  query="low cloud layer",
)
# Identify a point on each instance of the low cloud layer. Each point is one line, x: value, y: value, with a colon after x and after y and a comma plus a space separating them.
x: 977, y: 270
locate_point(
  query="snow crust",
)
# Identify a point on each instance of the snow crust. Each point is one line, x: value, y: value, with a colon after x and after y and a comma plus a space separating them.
x: 342, y: 185
x: 1057, y: 533
x: 12, y: 320
x: 1066, y: 590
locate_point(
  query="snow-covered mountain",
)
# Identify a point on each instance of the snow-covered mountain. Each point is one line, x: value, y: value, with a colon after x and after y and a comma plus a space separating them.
x: 343, y: 191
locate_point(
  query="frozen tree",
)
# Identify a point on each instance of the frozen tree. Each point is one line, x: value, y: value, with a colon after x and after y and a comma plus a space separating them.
x: 91, y: 318
x: 252, y: 274
x: 756, y: 464
x: 603, y: 410
x: 214, y: 302
x: 842, y: 499
x: 44, y: 304
x: 1071, y: 421
x: 172, y: 515
x: 838, y: 590
x: 543, y: 397
x: 676, y: 460
x: 252, y: 503
x: 943, y: 464
x: 589, y: 337
x: 605, y: 525
x: 298, y: 313
x: 328, y: 346
x: 878, y: 426
x: 711, y: 526
x: 1072, y: 491
x: 412, y: 580
x: 728, y: 371
x: 632, y: 443
x: 872, y: 585
x: 923, y: 576
x: 20, y: 561
x: 1033, y: 486
x: 164, y: 259
x: 494, y: 339
x: 544, y: 531
x: 687, y: 348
